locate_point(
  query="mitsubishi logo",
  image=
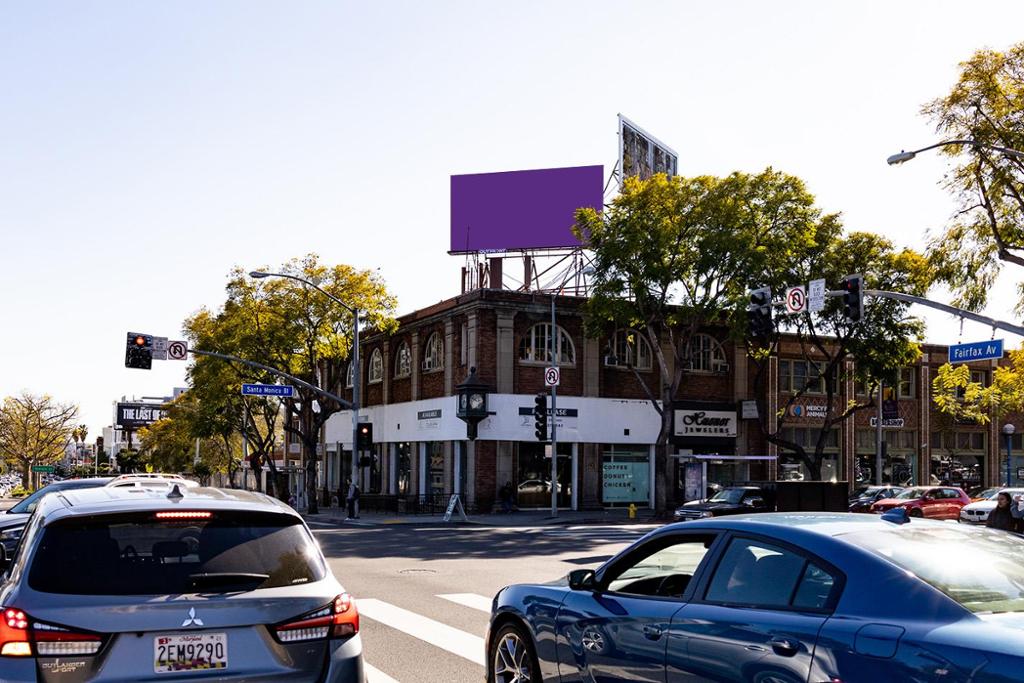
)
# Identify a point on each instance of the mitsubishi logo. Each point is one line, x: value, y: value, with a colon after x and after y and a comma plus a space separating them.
x: 192, y: 620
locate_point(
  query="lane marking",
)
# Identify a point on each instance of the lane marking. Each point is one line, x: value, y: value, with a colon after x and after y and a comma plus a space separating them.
x: 440, y: 635
x: 375, y: 675
x: 471, y: 600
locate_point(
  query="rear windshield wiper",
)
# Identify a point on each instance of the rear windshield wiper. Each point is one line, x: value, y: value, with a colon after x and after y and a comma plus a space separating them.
x: 228, y: 578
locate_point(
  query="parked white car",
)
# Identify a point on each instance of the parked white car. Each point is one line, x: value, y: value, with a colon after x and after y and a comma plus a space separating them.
x: 977, y: 513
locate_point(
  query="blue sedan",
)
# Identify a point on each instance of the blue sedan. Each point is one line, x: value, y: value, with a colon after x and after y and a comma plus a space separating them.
x: 776, y: 598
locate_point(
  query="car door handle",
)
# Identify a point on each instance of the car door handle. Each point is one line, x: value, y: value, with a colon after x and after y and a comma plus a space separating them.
x: 652, y: 632
x: 784, y: 646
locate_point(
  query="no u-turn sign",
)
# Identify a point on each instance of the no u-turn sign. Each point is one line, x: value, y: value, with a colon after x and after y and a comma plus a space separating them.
x: 796, y: 299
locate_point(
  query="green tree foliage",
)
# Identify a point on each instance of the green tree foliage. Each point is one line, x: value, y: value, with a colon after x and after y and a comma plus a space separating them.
x: 962, y: 400
x: 35, y: 430
x: 869, y: 351
x: 986, y: 105
x: 675, y: 255
x: 987, y: 232
x: 290, y: 327
x: 169, y: 444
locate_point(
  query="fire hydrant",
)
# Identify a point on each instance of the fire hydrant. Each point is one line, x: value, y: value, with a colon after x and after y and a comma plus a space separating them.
x: 632, y: 510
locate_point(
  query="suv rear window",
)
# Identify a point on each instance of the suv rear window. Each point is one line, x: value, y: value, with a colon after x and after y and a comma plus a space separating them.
x: 141, y: 554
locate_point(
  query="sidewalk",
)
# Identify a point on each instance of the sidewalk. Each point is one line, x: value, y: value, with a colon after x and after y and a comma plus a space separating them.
x: 521, y: 518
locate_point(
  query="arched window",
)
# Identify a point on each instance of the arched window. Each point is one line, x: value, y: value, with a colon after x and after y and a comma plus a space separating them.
x: 629, y: 348
x: 433, y: 353
x: 403, y: 361
x: 376, y: 366
x: 348, y: 376
x: 706, y: 355
x: 536, y: 346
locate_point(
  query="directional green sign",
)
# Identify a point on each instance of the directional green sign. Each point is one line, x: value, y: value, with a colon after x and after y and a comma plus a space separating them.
x: 48, y: 469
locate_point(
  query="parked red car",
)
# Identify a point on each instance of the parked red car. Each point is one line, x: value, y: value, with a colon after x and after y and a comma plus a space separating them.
x: 933, y: 502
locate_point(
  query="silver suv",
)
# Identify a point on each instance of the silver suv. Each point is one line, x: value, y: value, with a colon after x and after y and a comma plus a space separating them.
x: 113, y: 584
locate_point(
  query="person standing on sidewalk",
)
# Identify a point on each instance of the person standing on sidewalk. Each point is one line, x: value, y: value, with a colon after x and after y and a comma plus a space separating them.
x: 352, y: 500
x: 1007, y: 514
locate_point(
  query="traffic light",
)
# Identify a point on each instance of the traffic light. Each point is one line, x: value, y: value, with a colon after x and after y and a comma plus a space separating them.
x: 540, y: 416
x: 853, y: 297
x: 759, y: 313
x: 139, y: 351
x: 364, y: 438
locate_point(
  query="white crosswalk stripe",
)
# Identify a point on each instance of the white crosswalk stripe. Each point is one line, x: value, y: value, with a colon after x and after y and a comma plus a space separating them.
x: 374, y: 675
x: 471, y: 600
x: 428, y: 630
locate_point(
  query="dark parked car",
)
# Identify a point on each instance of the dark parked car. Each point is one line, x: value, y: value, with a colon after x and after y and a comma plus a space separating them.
x: 780, y: 598
x: 732, y: 500
x: 12, y: 523
x: 872, y: 494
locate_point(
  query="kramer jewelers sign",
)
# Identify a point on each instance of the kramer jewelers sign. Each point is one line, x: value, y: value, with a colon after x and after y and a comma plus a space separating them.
x: 718, y: 423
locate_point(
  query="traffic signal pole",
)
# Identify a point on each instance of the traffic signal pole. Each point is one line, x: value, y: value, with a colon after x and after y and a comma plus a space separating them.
x: 274, y: 371
x: 554, y: 415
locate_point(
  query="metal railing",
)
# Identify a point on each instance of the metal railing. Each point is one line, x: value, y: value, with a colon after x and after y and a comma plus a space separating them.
x: 428, y: 504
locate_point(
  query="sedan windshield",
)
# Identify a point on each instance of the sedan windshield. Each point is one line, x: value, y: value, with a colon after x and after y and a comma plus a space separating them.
x: 911, y: 494
x: 728, y: 496
x: 982, y: 569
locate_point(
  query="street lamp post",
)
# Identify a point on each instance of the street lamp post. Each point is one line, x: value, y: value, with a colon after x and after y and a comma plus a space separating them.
x: 1008, y: 430
x: 905, y: 156
x: 257, y: 274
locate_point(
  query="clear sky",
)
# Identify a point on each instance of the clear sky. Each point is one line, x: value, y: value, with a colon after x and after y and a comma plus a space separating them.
x: 148, y: 147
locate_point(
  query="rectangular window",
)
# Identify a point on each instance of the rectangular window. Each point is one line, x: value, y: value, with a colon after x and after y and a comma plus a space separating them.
x: 866, y: 440
x: 936, y: 440
x: 140, y: 553
x: 757, y: 574
x: 785, y: 379
x: 464, y: 346
x: 907, y: 385
x: 435, y: 453
x: 979, y: 377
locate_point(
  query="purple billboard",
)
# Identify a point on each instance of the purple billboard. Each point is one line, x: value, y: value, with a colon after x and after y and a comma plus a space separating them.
x: 521, y: 209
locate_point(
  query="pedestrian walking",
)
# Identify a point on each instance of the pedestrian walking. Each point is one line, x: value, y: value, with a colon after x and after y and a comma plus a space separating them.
x: 352, y: 500
x: 1007, y: 515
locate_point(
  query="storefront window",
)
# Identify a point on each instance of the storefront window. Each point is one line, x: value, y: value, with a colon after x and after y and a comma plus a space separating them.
x: 792, y: 468
x: 376, y: 478
x: 533, y: 485
x: 435, y: 455
x: 625, y: 475
x: 960, y: 461
x: 403, y: 460
x: 900, y: 462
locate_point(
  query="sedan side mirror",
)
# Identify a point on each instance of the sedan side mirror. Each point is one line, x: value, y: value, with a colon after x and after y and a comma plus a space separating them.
x: 581, y: 579
x: 754, y: 502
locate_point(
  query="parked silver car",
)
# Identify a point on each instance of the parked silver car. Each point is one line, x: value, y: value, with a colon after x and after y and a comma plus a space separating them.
x: 114, y: 584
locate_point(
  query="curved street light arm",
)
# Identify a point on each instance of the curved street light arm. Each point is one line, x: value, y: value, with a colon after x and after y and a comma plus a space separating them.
x: 907, y: 156
x: 260, y: 275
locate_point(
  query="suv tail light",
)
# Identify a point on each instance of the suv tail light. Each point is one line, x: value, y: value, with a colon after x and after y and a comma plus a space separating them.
x: 340, y: 619
x: 21, y: 636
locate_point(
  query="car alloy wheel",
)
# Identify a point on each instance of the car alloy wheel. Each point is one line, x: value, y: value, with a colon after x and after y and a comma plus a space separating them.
x: 513, y: 657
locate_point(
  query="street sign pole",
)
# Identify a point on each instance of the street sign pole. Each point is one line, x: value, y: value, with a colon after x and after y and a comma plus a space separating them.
x: 878, y: 436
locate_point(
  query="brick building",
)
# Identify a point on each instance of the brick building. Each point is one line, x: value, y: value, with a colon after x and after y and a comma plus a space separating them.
x: 607, y: 427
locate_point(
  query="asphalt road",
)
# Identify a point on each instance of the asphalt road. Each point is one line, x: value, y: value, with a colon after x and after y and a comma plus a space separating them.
x: 424, y: 592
